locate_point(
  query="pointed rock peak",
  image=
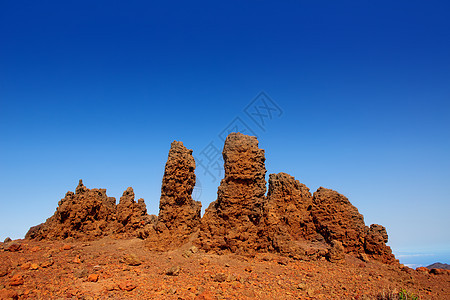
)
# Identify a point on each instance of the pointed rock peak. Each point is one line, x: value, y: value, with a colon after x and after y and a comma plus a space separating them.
x: 127, y: 196
x: 176, y: 201
x: 128, y: 191
x: 179, y: 214
x: 178, y: 150
x: 80, y: 188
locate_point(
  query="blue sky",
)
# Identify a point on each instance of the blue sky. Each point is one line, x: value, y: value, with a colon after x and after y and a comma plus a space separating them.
x: 98, y: 91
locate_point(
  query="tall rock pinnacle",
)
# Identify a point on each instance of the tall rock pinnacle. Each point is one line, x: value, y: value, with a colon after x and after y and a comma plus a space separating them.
x: 231, y: 222
x: 179, y: 214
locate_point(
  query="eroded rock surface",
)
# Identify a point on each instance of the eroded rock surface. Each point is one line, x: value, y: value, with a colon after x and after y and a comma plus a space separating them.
x: 89, y: 214
x: 375, y: 244
x: 337, y: 219
x: 287, y: 218
x: 132, y: 216
x: 231, y: 222
x: 179, y: 214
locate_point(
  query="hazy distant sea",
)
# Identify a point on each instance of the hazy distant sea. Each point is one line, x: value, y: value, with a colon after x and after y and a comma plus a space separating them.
x: 422, y: 259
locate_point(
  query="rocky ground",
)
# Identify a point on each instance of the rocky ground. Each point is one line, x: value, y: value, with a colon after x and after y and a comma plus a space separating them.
x: 112, y: 268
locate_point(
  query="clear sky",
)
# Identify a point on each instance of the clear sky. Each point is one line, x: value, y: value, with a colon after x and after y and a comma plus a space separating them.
x: 360, y: 102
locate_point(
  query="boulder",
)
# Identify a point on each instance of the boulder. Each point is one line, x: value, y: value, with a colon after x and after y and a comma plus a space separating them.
x: 336, y: 252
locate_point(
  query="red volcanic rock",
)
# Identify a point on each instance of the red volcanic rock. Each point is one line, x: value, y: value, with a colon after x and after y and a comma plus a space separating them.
x: 439, y: 272
x: 375, y: 244
x: 8, y: 294
x: 179, y: 214
x: 423, y: 270
x: 85, y: 214
x: 89, y: 214
x: 337, y: 252
x: 127, y: 286
x: 93, y: 278
x: 13, y: 247
x: 16, y: 280
x: 288, y: 207
x: 132, y: 216
x: 4, y: 269
x: 287, y: 217
x: 337, y: 219
x: 231, y: 222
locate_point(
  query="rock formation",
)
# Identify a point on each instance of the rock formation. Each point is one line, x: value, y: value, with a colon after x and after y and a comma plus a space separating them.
x: 132, y: 215
x: 88, y: 214
x: 231, y: 222
x: 375, y: 244
x: 179, y: 214
x: 337, y: 219
x: 287, y: 218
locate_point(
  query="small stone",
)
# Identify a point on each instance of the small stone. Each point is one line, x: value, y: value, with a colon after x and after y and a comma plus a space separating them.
x: 80, y: 273
x: 187, y: 254
x: 67, y: 247
x: 173, y: 271
x: 8, y: 294
x: 34, y: 266
x: 220, y: 277
x: 337, y: 252
x: 47, y: 263
x: 206, y: 295
x: 25, y: 266
x: 131, y: 260
x: 231, y: 278
x: 77, y: 260
x: 16, y: 280
x: 423, y: 270
x: 364, y: 257
x: 127, y: 286
x: 7, y: 240
x: 35, y: 249
x: 93, y: 278
x: 13, y: 247
x: 111, y: 287
x: 301, y: 286
x: 4, y: 270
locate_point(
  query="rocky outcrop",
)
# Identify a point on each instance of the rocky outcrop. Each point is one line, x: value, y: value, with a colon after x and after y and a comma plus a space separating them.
x: 287, y: 220
x: 132, y: 216
x: 375, y: 244
x: 90, y: 213
x: 231, y: 223
x: 336, y: 252
x: 287, y: 211
x: 179, y: 214
x: 337, y: 219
